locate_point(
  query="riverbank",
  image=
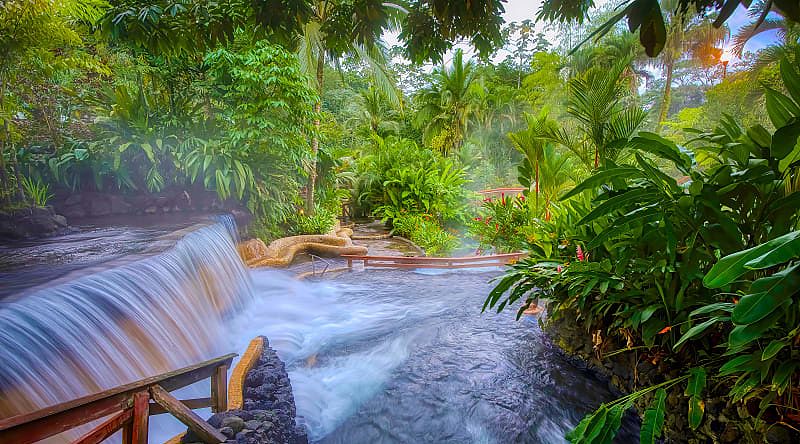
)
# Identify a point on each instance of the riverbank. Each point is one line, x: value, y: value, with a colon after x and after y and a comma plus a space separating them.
x: 632, y: 370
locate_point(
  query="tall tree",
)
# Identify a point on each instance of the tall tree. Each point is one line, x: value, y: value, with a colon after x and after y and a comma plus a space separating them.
x: 338, y: 29
x: 446, y: 105
x: 693, y: 39
x: 30, y: 30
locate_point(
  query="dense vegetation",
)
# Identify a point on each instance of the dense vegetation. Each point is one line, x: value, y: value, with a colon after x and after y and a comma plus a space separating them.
x: 659, y: 201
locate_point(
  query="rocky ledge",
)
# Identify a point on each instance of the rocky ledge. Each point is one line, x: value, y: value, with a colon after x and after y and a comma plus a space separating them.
x: 269, y: 412
x: 31, y: 223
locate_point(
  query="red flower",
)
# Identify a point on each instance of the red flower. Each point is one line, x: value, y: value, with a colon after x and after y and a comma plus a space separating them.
x: 665, y: 329
x: 496, y: 226
x: 581, y: 257
x: 503, y: 198
x: 478, y: 219
x: 559, y: 268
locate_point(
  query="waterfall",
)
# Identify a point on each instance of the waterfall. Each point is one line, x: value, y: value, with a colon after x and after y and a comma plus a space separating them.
x: 138, y: 319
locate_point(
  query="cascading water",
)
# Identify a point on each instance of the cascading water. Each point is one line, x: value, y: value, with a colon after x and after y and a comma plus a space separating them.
x: 378, y: 356
x: 121, y: 324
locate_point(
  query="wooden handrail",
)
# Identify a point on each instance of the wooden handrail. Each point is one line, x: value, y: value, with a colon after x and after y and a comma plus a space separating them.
x: 130, y: 407
x: 415, y: 259
x: 432, y: 262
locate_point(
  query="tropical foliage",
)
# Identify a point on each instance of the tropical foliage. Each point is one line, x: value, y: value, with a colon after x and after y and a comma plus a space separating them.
x: 648, y: 256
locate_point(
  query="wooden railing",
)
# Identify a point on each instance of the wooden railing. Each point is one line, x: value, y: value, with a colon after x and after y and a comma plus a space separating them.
x: 129, y: 408
x: 494, y: 260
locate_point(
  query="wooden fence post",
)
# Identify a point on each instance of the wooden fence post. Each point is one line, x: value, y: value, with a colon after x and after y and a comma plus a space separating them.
x: 141, y: 417
x: 219, y: 389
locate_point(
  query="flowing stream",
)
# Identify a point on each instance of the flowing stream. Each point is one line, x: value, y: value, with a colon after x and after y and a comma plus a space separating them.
x: 373, y: 356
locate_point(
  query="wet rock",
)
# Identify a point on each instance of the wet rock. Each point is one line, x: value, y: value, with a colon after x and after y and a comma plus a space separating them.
x: 97, y: 204
x: 228, y: 432
x: 269, y: 413
x: 31, y: 223
x: 233, y: 422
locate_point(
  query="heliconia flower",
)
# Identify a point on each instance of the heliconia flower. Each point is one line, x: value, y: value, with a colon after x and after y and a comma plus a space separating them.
x: 580, y: 253
x: 665, y: 329
x: 503, y: 198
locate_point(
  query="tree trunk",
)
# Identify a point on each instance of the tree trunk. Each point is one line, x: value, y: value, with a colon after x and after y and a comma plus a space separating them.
x: 667, y: 99
x: 6, y: 186
x: 537, y: 186
x: 312, y: 173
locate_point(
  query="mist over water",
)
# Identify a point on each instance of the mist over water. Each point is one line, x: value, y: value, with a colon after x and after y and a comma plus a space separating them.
x: 375, y: 356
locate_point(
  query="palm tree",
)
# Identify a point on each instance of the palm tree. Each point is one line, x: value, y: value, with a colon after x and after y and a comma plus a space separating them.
x: 691, y: 38
x: 329, y: 36
x: 602, y: 122
x: 545, y: 168
x: 787, y: 30
x: 371, y: 109
x: 447, y: 104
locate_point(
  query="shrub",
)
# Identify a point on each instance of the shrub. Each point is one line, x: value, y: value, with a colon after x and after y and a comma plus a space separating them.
x: 425, y: 232
x: 401, y: 177
x: 321, y: 222
x: 37, y: 192
x: 502, y: 223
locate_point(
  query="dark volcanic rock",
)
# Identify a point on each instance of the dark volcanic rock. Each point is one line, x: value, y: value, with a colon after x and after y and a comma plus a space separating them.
x: 31, y: 223
x: 269, y: 411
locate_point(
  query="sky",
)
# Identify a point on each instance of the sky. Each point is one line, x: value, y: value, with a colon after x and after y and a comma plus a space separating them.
x: 519, y: 10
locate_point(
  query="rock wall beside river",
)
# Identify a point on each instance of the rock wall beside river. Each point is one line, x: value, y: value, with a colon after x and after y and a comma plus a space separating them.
x: 630, y: 371
x: 269, y: 413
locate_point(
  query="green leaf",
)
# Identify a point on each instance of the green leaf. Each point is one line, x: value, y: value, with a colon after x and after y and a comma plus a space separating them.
x: 696, y: 410
x: 791, y: 78
x: 785, y: 139
x: 663, y: 148
x: 697, y: 382
x: 590, y: 427
x: 632, y: 195
x: 699, y: 328
x: 779, y: 107
x: 782, y: 376
x: 730, y: 267
x: 786, y: 248
x: 735, y: 365
x: 601, y: 178
x: 653, y: 420
x: 723, y: 306
x: 766, y: 295
x: 621, y: 224
x: 148, y: 151
x: 772, y: 349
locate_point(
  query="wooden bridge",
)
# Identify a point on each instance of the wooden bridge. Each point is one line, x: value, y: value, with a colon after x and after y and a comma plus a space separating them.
x: 129, y: 407
x: 495, y: 260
